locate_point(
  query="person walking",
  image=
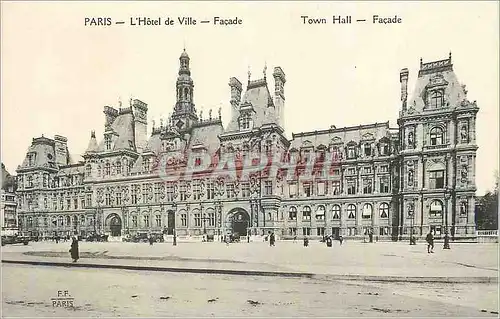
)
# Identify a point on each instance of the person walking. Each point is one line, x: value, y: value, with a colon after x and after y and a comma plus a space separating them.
x: 74, y: 249
x: 306, y: 241
x: 430, y: 242
x: 272, y: 239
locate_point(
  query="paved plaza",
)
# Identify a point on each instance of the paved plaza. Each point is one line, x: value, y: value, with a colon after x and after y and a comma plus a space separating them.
x: 395, y: 267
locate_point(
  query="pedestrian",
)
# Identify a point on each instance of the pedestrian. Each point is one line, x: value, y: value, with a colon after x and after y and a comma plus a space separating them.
x: 74, y: 250
x: 341, y: 239
x: 328, y: 241
x: 294, y: 239
x: 430, y: 242
x: 306, y: 241
x: 272, y: 239
x: 151, y: 240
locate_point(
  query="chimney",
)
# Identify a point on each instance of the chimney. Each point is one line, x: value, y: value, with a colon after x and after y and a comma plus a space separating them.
x: 61, y: 150
x: 111, y: 115
x: 403, y: 79
x: 279, y: 95
x: 236, y: 89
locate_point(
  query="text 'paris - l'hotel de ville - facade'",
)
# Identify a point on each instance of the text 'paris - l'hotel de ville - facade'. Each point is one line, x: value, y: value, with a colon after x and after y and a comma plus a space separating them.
x: 387, y: 181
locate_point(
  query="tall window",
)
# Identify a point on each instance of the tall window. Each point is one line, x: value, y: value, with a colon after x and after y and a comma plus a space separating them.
x: 384, y: 210
x: 367, y: 186
x: 184, y: 220
x: 197, y: 220
x: 157, y: 192
x: 134, y: 221
x: 307, y: 189
x: 306, y: 213
x: 107, y: 169
x: 351, y: 211
x: 107, y: 142
x: 145, y: 165
x: 321, y: 188
x: 210, y: 190
x: 383, y: 148
x: 146, y: 221
x: 158, y: 220
x: 88, y: 170
x: 351, y: 187
x: 133, y: 194
x: 245, y: 122
x: 436, y: 179
x: 170, y: 192
x: 436, y: 99
x: 75, y: 203
x: 268, y: 187
x: 336, y: 212
x: 436, y: 209
x: 336, y: 187
x: 211, y: 219
x: 144, y: 193
x: 384, y: 185
x: 118, y: 197
x: 30, y: 181
x: 230, y: 190
x: 118, y: 167
x: 245, y: 189
x: 89, y: 200
x: 367, y: 149
x: 367, y: 211
x: 292, y: 213
x: 351, y: 152
x: 107, y: 199
x: 292, y: 188
x: 196, y: 190
x: 436, y: 135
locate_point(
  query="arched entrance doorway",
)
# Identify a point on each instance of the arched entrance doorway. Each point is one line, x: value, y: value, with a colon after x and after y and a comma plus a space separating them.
x: 115, y: 225
x: 239, y: 222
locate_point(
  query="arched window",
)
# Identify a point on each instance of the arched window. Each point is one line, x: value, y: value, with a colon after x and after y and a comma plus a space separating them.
x: 292, y: 213
x: 30, y: 222
x: 61, y: 221
x: 320, y: 213
x: 436, y: 209
x: 186, y: 94
x: 82, y: 220
x: 351, y: 211
x: 436, y: 136
x: 384, y: 210
x: 436, y: 99
x: 68, y: 220
x: 118, y: 167
x: 367, y: 211
x: 336, y: 212
x: 107, y: 169
x: 306, y: 213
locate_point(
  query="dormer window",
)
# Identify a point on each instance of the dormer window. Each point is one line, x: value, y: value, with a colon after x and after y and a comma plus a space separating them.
x: 368, y: 149
x: 436, y: 99
x: 351, y: 152
x: 245, y: 122
x: 31, y: 159
x: 107, y: 142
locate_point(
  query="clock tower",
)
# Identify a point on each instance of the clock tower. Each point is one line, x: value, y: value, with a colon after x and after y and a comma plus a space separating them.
x: 184, y: 111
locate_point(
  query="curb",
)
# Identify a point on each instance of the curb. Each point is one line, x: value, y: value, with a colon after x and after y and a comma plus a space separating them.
x: 327, y: 277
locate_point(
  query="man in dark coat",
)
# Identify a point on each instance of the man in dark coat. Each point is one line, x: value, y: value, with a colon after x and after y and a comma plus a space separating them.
x: 430, y: 242
x: 74, y: 250
x: 272, y: 239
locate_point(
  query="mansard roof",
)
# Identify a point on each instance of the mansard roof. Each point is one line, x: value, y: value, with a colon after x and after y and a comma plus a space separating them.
x: 343, y: 135
x: 206, y: 135
x: 437, y: 74
x: 123, y: 127
x: 42, y: 154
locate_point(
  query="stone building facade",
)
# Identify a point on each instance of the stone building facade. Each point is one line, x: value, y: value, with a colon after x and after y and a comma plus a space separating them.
x: 193, y: 176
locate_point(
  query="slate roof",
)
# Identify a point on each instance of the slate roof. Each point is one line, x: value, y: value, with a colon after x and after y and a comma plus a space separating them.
x: 123, y: 128
x: 343, y: 136
x: 43, y: 148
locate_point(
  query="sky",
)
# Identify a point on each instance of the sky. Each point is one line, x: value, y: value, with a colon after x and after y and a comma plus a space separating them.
x: 57, y: 74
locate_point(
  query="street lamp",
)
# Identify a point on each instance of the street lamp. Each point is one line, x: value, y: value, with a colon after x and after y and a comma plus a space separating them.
x: 174, y: 206
x: 446, y: 237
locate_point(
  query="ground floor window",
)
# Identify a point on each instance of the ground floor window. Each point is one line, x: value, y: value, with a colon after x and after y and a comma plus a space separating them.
x: 306, y: 231
x: 320, y: 231
x: 352, y: 231
x: 436, y: 230
x: 384, y: 231
x: 292, y: 231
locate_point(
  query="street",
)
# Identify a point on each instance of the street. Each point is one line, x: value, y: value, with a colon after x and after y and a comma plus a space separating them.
x: 27, y: 292
x: 28, y: 289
